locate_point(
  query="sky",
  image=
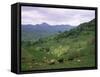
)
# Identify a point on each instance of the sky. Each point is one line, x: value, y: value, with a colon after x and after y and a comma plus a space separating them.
x: 55, y: 16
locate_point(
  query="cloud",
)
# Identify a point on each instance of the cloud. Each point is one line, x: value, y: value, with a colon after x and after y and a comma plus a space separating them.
x: 54, y: 16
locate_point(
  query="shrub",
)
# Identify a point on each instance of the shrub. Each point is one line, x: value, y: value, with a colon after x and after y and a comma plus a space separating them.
x: 45, y: 49
x: 61, y: 60
x: 52, y: 61
x: 73, y: 55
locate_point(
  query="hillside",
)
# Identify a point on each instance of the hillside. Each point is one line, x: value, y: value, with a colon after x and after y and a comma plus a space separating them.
x: 68, y: 49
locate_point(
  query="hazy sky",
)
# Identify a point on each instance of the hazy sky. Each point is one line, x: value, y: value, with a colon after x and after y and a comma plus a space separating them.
x: 54, y: 16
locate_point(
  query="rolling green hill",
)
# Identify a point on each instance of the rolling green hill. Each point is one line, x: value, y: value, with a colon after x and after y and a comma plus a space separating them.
x: 69, y: 49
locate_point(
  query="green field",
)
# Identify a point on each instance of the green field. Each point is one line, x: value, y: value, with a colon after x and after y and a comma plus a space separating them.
x: 69, y: 49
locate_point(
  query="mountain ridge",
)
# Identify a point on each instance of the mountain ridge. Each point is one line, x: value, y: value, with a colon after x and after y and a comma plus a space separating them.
x: 42, y: 30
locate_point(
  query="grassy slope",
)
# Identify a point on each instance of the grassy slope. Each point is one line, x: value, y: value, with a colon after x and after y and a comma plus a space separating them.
x: 70, y: 49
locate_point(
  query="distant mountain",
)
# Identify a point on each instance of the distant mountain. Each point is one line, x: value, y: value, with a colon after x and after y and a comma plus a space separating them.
x: 34, y: 32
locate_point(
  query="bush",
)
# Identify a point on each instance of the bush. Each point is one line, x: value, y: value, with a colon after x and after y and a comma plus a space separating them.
x: 52, y: 61
x: 73, y: 55
x: 61, y: 60
x: 45, y: 49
